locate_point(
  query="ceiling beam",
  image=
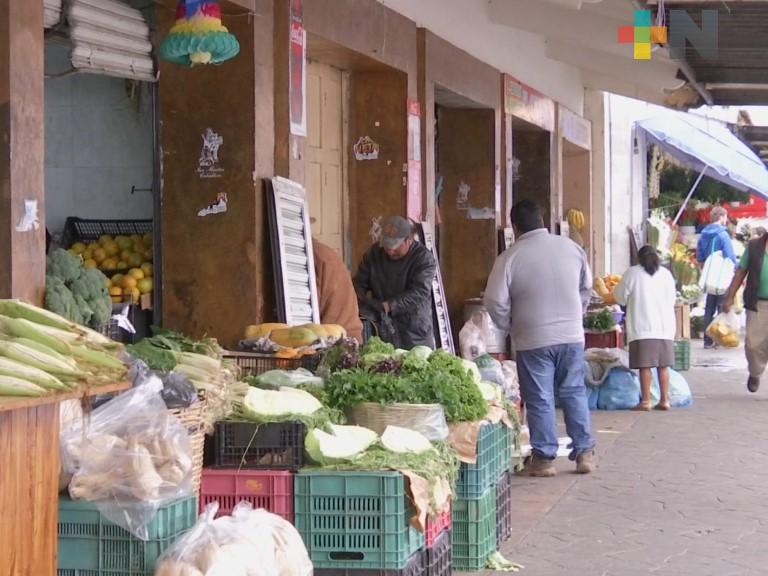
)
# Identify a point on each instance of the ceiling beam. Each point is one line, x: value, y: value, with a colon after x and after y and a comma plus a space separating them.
x: 658, y: 73
x: 735, y: 86
x: 732, y: 74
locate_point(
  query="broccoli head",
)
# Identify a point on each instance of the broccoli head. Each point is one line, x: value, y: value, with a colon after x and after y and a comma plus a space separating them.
x: 91, y: 292
x: 63, y: 265
x: 59, y: 298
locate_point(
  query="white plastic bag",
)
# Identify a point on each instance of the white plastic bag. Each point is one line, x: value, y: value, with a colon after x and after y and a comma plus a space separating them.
x: 724, y: 330
x: 473, y: 337
x: 130, y: 457
x: 247, y: 543
x: 717, y: 274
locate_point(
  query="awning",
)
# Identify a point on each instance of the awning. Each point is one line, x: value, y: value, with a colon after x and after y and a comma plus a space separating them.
x: 704, y: 143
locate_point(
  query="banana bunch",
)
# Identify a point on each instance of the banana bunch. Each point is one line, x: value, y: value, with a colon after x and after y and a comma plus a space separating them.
x: 576, y: 219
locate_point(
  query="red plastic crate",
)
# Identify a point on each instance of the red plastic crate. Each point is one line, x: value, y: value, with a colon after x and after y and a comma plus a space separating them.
x: 268, y: 489
x: 436, y: 526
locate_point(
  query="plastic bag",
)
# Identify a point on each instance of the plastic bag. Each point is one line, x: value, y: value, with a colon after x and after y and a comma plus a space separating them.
x: 178, y: 391
x: 276, y: 379
x: 490, y: 370
x: 620, y: 391
x: 593, y: 395
x: 130, y: 457
x: 724, y: 330
x: 717, y: 274
x: 472, y: 339
x: 680, y: 395
x: 511, y: 381
x: 247, y: 543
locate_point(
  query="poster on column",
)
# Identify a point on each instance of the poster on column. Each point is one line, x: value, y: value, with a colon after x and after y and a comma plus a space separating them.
x: 297, y: 69
x: 414, y: 207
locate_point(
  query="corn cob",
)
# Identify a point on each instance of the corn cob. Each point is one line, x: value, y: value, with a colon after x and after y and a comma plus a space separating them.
x: 32, y: 356
x: 23, y: 328
x: 97, y: 357
x: 47, y: 351
x: 20, y: 309
x: 10, y: 386
x: 15, y: 369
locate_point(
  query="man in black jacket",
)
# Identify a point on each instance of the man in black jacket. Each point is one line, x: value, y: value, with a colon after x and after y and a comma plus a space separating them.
x: 394, y: 286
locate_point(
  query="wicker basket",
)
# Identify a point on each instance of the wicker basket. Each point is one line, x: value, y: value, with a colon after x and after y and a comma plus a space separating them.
x: 192, y: 419
x: 429, y: 419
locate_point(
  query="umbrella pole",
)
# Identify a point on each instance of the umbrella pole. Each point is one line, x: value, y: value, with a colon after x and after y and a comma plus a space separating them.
x: 688, y: 198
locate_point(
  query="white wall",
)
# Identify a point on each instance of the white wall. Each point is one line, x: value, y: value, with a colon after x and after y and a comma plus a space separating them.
x: 625, y: 178
x: 466, y: 24
x: 97, y: 146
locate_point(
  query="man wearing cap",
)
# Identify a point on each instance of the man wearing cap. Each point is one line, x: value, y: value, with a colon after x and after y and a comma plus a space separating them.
x: 394, y: 285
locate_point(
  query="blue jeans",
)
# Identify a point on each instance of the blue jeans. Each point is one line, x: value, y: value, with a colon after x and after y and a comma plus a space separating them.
x: 543, y: 373
x: 713, y: 307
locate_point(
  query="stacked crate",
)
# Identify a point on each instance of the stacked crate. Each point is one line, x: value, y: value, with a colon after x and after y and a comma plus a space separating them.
x: 439, y: 548
x: 254, y: 463
x: 357, y: 524
x: 474, y: 510
x: 682, y: 355
x: 91, y: 545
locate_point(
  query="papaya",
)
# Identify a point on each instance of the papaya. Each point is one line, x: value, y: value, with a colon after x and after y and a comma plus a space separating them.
x: 318, y: 329
x: 293, y: 337
x: 256, y: 331
x: 287, y: 353
x: 335, y: 331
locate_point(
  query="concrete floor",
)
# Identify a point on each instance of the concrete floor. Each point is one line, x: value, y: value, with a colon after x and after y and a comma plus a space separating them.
x: 676, y: 494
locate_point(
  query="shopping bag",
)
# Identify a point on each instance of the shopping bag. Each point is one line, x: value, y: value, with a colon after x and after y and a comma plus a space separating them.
x: 724, y: 330
x: 717, y: 274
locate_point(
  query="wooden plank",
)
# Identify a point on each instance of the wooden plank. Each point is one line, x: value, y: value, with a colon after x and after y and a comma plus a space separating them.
x: 29, y: 472
x: 9, y: 404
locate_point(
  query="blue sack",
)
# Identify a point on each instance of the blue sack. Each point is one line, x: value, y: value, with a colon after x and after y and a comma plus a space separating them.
x: 680, y: 395
x: 593, y: 393
x: 619, y: 391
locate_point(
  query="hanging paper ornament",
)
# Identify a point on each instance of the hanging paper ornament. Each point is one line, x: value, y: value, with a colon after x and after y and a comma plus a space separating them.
x: 198, y: 36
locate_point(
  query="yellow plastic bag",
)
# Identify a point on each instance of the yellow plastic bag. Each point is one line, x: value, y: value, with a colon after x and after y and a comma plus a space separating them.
x: 724, y: 330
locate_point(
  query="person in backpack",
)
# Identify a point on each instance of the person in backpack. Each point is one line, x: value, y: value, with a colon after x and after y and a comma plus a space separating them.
x: 754, y: 268
x: 714, y: 238
x: 649, y: 293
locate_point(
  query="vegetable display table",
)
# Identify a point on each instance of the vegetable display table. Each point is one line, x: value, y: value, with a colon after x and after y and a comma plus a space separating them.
x: 29, y: 480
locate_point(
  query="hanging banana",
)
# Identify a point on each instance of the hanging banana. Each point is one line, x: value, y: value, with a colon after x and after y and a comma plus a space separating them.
x: 576, y: 219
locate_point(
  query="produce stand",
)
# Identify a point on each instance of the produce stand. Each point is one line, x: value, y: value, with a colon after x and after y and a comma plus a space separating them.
x: 29, y: 479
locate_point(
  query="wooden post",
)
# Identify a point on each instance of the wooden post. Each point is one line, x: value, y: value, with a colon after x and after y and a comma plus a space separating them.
x: 22, y: 254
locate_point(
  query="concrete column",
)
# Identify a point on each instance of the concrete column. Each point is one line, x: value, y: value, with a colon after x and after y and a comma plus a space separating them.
x: 22, y: 254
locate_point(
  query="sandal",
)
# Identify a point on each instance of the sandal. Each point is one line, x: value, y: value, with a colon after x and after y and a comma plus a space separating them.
x: 642, y: 407
x: 663, y: 407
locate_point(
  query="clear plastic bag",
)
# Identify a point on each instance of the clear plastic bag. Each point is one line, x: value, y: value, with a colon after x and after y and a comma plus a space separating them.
x: 276, y: 379
x: 129, y: 457
x: 247, y: 543
x: 511, y: 381
x: 472, y: 338
x: 724, y: 330
x: 490, y: 370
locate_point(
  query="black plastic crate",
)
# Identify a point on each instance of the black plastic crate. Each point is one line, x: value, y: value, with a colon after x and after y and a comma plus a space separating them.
x: 438, y: 558
x: 253, y: 364
x: 416, y: 567
x: 82, y: 230
x: 274, y: 446
x: 504, y: 507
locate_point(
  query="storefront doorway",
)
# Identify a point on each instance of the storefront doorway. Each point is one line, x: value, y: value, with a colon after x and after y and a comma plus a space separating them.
x: 532, y: 166
x: 325, y: 174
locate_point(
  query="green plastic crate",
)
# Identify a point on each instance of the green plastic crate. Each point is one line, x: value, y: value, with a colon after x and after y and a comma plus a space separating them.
x: 474, y: 531
x: 475, y: 479
x: 91, y: 545
x: 682, y: 355
x: 355, y: 520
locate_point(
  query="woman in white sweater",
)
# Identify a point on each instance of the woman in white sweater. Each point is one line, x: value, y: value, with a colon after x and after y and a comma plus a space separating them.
x: 649, y: 293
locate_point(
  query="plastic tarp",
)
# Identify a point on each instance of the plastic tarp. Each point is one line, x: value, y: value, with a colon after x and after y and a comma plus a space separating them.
x: 702, y: 142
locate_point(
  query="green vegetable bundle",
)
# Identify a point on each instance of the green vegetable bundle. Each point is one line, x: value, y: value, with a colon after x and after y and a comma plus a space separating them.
x: 602, y: 321
x: 408, y: 378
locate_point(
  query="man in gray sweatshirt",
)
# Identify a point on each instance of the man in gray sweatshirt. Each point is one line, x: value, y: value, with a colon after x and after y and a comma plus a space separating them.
x: 539, y: 290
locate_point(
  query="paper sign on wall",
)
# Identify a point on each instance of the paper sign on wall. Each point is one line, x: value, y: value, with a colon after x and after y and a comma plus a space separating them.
x: 208, y: 163
x: 218, y: 207
x: 375, y: 231
x: 366, y: 149
x: 462, y: 197
x: 297, y: 64
x: 29, y: 220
